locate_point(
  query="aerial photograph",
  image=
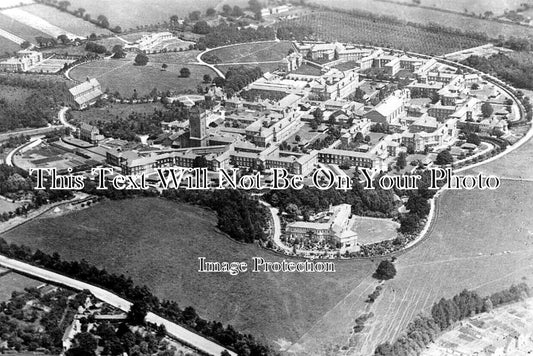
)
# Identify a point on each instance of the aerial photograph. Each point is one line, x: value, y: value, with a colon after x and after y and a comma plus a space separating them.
x: 266, y: 177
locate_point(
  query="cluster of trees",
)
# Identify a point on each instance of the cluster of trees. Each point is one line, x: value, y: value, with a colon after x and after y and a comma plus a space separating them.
x: 225, y: 34
x: 118, y: 340
x: 373, y: 202
x: 95, y: 47
x: 37, y: 109
x: 240, y: 216
x: 123, y: 286
x: 518, y: 73
x: 237, y: 78
x: 424, y: 329
x: 36, y: 329
x: 132, y: 126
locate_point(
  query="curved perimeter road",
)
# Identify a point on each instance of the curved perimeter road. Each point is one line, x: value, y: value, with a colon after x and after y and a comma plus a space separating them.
x: 178, y: 332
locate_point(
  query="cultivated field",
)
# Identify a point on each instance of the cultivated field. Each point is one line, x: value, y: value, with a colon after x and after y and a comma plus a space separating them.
x: 333, y: 26
x: 37, y: 22
x: 253, y: 52
x: 19, y: 29
x: 158, y: 243
x: 65, y: 20
x: 124, y: 77
x: 421, y: 15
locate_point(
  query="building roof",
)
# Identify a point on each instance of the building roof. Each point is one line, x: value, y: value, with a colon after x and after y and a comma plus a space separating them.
x: 389, y: 105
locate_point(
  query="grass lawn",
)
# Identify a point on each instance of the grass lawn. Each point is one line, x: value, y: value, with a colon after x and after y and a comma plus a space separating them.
x: 7, y: 206
x: 265, y: 67
x: 124, y: 77
x: 12, y: 282
x: 253, y: 52
x: 372, y: 230
x: 111, y: 111
x: 182, y: 57
x: 158, y: 242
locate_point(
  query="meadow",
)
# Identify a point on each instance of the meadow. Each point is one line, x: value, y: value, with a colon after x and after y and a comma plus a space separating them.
x: 124, y: 77
x: 158, y: 242
x: 253, y: 52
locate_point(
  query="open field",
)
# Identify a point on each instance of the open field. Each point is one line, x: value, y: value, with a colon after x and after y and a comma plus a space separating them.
x: 65, y: 20
x: 132, y: 13
x: 124, y: 77
x: 333, y: 26
x: 253, y: 52
x: 182, y: 57
x: 158, y: 243
x: 473, y: 245
x: 421, y: 15
x: 112, y: 111
x: 11, y: 282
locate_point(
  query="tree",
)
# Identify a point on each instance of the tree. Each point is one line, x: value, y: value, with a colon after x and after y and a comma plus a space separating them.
x: 443, y: 158
x: 137, y: 313
x: 207, y: 78
x: 102, y: 21
x: 200, y: 162
x: 201, y: 28
x: 486, y: 109
x: 63, y: 39
x: 164, y: 66
x: 473, y: 138
x: 385, y: 270
x: 25, y: 45
x: 185, y: 72
x: 237, y: 11
x: 475, y: 86
x: 401, y: 161
x: 195, y: 15
x: 86, y: 341
x: 226, y: 9
x: 118, y: 52
x: 141, y: 59
x: 297, y: 138
x: 210, y: 12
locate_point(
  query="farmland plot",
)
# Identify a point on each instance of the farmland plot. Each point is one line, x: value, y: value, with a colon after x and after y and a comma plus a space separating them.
x: 65, y: 21
x: 18, y: 32
x: 37, y: 23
